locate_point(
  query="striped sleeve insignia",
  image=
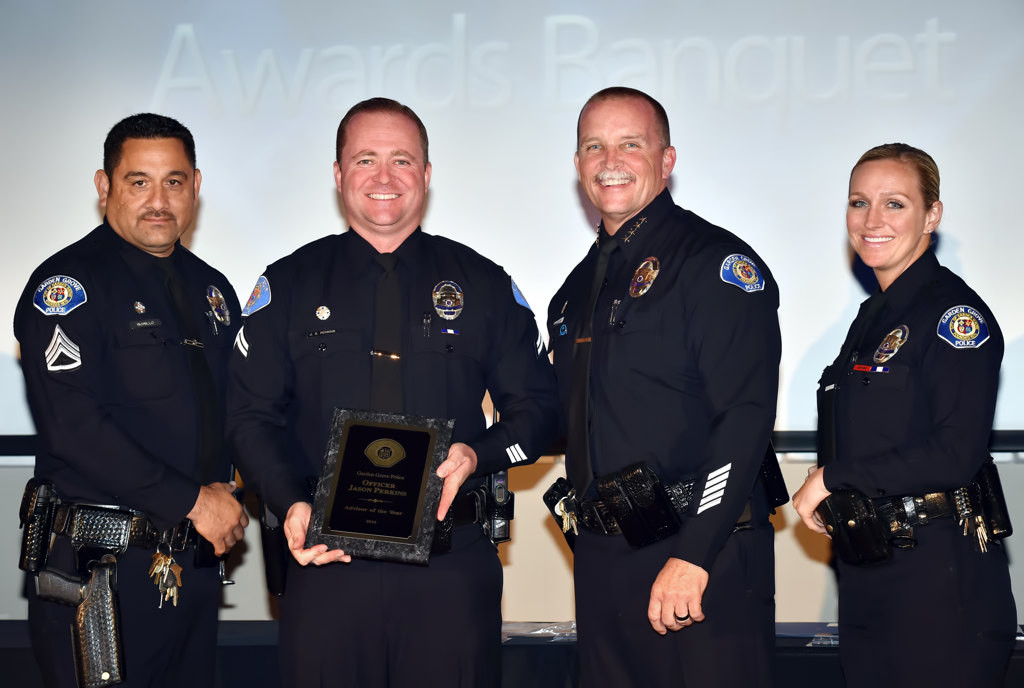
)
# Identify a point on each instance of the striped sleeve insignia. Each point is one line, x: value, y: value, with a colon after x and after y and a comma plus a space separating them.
x: 62, y: 354
x: 714, y: 488
x: 241, y: 343
x: 515, y: 454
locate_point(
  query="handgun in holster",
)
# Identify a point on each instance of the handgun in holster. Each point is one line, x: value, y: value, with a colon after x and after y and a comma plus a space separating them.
x: 96, y: 630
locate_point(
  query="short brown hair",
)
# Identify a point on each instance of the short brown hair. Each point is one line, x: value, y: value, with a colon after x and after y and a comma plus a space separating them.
x: 921, y: 162
x: 624, y: 92
x: 381, y: 105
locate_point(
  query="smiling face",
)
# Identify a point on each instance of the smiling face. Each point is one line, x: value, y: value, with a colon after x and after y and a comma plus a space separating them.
x: 382, y: 178
x: 888, y: 224
x: 150, y: 198
x: 621, y: 160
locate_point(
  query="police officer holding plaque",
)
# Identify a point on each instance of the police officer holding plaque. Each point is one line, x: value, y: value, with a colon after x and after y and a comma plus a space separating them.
x: 125, y: 338
x: 905, y: 486
x: 666, y: 347
x: 385, y: 321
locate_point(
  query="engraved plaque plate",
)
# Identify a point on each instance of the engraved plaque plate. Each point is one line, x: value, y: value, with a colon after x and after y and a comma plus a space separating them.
x: 378, y: 494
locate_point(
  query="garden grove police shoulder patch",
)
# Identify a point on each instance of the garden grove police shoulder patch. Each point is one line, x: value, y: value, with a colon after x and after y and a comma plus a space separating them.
x: 259, y: 297
x: 742, y: 272
x: 963, y: 327
x: 59, y: 295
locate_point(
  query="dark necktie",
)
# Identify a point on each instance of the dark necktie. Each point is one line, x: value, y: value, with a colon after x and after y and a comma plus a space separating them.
x: 578, y: 442
x: 386, y: 391
x: 210, y: 427
x: 826, y: 412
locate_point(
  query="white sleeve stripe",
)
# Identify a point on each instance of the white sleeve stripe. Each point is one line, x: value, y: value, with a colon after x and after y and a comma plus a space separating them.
x: 705, y: 507
x: 515, y: 453
x: 241, y: 342
x: 717, y: 494
x: 717, y: 481
x: 716, y: 473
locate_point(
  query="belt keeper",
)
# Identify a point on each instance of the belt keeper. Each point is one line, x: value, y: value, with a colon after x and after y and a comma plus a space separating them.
x: 179, y: 536
x: 60, y: 520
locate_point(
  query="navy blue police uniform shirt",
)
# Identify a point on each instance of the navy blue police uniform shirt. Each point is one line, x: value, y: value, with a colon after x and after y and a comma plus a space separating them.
x: 915, y: 402
x: 108, y: 377
x: 304, y: 350
x: 684, y: 362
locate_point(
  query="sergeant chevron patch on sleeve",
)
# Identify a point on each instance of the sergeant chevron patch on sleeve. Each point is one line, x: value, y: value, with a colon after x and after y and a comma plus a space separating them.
x: 714, y: 488
x: 62, y: 354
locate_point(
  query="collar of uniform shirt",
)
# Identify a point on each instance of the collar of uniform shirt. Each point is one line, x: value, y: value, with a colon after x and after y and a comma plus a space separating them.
x: 361, y: 253
x: 903, y: 292
x: 139, y: 262
x: 635, y: 233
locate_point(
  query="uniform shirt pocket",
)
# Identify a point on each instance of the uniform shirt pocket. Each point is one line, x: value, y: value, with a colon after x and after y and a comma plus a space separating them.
x: 142, y: 361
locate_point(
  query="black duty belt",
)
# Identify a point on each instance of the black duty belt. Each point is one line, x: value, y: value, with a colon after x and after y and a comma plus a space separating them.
x: 916, y: 510
x: 594, y: 515
x: 635, y: 503
x: 116, y: 529
x: 864, y: 530
x: 598, y: 516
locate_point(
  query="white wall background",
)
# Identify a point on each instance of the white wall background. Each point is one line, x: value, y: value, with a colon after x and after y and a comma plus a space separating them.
x: 771, y: 102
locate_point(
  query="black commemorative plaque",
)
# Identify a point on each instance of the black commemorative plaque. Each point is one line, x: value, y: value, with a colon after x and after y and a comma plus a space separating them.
x: 378, y: 494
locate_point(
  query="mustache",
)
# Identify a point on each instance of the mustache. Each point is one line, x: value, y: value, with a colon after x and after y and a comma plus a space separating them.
x: 157, y: 215
x: 613, y: 176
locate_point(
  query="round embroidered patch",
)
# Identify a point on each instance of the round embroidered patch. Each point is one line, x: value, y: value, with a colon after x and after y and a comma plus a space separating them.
x: 963, y: 327
x: 59, y: 295
x: 741, y: 271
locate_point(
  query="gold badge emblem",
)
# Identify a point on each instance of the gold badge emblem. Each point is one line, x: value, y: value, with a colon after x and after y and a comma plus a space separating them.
x: 891, y: 344
x: 140, y: 307
x: 384, y: 453
x: 644, y: 277
x: 323, y: 312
